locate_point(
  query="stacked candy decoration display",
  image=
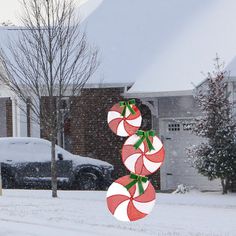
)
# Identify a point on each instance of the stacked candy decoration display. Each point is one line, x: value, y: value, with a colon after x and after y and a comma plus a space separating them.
x: 132, y: 197
x: 124, y: 118
x: 143, y: 153
x: 125, y: 201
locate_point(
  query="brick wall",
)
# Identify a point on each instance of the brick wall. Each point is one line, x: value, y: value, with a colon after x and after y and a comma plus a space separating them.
x: 43, y: 107
x: 3, y: 128
x: 88, y: 131
x: 90, y: 134
x: 9, y: 118
x: 6, y: 129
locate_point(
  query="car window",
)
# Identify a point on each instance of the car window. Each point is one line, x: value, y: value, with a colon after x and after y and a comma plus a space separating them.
x: 66, y: 155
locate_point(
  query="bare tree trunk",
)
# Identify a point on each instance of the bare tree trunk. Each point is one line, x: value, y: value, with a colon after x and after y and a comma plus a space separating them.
x: 51, y: 58
x: 53, y: 167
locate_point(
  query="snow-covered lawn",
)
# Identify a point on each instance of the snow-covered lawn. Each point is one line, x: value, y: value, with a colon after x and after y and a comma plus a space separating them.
x: 76, y: 213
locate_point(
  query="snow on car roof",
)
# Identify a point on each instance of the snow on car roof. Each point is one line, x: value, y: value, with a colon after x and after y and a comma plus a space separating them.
x: 23, y: 149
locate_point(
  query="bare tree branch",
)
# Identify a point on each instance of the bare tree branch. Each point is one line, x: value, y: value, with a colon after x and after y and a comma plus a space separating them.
x: 51, y: 58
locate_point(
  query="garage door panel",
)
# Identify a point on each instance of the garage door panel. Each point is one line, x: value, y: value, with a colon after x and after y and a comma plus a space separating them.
x: 177, y: 136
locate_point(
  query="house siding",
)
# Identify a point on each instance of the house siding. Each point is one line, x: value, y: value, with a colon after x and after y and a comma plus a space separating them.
x: 179, y: 106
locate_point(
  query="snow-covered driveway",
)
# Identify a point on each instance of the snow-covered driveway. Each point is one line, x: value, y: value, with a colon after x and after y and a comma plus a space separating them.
x: 34, y: 213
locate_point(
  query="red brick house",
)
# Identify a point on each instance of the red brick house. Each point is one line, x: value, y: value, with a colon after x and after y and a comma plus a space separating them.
x: 86, y: 131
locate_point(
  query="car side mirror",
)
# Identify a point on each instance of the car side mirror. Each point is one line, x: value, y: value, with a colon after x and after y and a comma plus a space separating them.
x: 60, y: 157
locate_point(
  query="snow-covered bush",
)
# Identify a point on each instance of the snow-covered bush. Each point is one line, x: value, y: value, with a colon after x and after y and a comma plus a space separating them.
x: 181, y: 188
x: 216, y: 157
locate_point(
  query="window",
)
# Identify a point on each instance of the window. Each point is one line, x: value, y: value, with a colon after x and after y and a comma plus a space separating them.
x: 62, y: 139
x: 174, y: 127
x: 188, y: 126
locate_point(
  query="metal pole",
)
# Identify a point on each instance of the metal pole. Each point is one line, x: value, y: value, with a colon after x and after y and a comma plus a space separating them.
x: 0, y: 179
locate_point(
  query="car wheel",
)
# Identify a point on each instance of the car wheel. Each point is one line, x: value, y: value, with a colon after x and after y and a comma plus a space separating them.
x: 88, y: 181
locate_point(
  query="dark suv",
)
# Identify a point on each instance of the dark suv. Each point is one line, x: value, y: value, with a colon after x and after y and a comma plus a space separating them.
x: 25, y: 163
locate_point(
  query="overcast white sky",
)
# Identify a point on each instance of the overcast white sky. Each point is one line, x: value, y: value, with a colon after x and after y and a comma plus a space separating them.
x: 10, y: 10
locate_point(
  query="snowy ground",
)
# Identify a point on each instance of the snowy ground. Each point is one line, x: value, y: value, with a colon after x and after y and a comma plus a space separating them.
x: 34, y: 213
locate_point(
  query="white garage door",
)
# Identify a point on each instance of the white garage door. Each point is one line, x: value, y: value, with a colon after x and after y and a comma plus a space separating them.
x: 177, y: 136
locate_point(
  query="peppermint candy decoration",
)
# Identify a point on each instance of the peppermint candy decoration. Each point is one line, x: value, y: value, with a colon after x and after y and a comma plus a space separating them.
x: 124, y: 118
x: 143, y: 153
x: 131, y: 198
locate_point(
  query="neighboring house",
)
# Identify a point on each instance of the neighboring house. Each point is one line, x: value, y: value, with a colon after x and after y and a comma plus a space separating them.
x: 14, y: 122
x: 155, y: 53
x: 6, y: 121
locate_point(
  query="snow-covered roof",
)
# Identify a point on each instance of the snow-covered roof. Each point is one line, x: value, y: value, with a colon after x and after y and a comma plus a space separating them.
x: 10, y: 34
x: 83, y: 10
x: 231, y: 67
x: 161, y: 45
x: 86, y: 7
x: 11, y: 11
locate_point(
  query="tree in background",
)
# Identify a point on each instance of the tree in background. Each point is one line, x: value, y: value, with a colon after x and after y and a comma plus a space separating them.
x: 51, y: 58
x: 216, y: 157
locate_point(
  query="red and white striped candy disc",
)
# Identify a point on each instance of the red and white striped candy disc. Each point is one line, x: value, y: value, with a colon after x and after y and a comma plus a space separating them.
x: 141, y: 161
x: 124, y: 126
x: 128, y: 205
